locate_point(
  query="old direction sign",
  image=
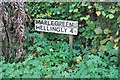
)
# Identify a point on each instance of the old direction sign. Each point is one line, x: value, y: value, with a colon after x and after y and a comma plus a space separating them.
x: 57, y: 26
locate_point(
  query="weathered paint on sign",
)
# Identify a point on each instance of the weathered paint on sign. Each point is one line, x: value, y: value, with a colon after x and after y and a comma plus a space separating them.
x: 57, y: 26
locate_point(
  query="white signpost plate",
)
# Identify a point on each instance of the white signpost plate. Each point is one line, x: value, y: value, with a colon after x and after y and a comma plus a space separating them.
x: 57, y: 26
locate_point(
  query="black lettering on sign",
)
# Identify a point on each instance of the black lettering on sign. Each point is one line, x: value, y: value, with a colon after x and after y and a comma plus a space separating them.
x: 58, y: 29
x: 57, y: 26
x: 65, y: 29
x: 52, y: 23
x: 71, y: 30
x: 39, y: 27
x: 62, y: 30
x: 71, y: 24
x: 67, y: 24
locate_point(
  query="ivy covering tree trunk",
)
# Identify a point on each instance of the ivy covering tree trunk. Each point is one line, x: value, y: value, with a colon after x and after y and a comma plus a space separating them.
x: 12, y: 25
x: 1, y: 27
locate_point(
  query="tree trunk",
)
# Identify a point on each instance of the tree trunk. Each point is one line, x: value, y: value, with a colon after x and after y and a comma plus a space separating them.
x: 1, y: 28
x: 12, y: 17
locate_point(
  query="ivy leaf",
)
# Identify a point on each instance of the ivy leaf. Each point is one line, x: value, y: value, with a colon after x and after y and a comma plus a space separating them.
x: 103, y: 13
x: 75, y: 10
x: 118, y: 19
x: 111, y: 16
x: 58, y: 12
x: 70, y: 10
x: 85, y: 18
x: 39, y: 49
x: 91, y: 25
x: 106, y: 31
x: 73, y: 5
x: 98, y: 30
x: 37, y: 16
x: 112, y: 11
x: 90, y: 7
x: 117, y: 39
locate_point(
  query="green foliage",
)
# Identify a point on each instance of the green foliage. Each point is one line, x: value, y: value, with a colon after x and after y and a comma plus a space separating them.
x: 55, y: 60
x: 95, y: 53
x: 55, y: 67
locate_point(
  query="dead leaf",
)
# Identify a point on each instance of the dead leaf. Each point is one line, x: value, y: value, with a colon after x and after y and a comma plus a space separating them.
x: 111, y: 38
x: 78, y: 59
x: 98, y: 13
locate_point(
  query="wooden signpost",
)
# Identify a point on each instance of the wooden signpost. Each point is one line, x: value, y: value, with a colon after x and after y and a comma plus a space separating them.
x: 58, y: 26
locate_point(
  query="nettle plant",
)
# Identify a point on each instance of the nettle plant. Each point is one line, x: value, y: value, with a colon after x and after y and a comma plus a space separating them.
x: 40, y: 46
x: 44, y: 67
x: 51, y: 59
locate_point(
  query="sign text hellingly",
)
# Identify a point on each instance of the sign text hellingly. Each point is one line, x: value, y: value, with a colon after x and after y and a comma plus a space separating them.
x: 57, y: 26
